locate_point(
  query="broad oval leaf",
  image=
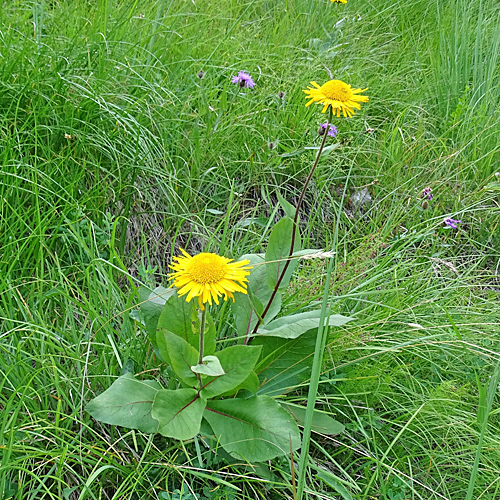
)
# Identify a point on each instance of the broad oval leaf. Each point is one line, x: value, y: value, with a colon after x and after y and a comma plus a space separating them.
x: 151, y: 303
x: 278, y: 251
x: 178, y: 413
x: 128, y: 402
x: 238, y: 362
x: 284, y: 363
x: 291, y: 327
x: 183, y: 319
x: 255, y: 429
x: 181, y: 355
x: 321, y: 422
x: 247, y: 308
x: 250, y: 384
x: 287, y: 207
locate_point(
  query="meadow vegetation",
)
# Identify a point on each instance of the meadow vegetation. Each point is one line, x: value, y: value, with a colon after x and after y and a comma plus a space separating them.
x: 123, y: 139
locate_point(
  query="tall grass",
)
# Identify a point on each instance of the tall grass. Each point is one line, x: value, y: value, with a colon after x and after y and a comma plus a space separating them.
x: 114, y: 154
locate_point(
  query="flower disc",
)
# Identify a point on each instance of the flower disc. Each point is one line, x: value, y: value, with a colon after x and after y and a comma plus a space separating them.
x: 207, y: 276
x: 337, y: 94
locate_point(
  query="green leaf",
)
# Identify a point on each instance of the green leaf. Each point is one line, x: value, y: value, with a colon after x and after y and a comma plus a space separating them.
x: 307, y: 251
x: 482, y: 407
x: 291, y: 327
x: 210, y: 366
x: 128, y: 367
x: 492, y: 186
x: 248, y: 307
x: 326, y: 150
x: 184, y: 319
x: 335, y: 483
x: 259, y: 221
x: 251, y: 384
x: 182, y: 356
x: 151, y: 304
x: 128, y: 402
x: 255, y: 429
x: 284, y: 363
x: 237, y: 361
x: 178, y: 317
x: 179, y: 413
x: 213, y: 478
x: 278, y: 249
x: 321, y: 423
x: 210, y: 333
x: 288, y: 208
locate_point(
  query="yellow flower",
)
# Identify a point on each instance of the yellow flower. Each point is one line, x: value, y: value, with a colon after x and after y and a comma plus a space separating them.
x: 337, y: 94
x: 207, y: 276
x: 339, y: 1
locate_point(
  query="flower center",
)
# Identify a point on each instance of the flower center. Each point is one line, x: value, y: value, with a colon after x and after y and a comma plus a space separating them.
x: 206, y: 268
x: 337, y: 90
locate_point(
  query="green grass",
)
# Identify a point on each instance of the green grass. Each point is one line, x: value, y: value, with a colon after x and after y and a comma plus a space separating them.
x: 113, y: 154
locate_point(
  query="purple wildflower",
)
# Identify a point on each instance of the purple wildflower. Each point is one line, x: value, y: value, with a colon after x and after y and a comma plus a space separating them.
x: 452, y: 222
x: 426, y: 193
x: 332, y: 131
x: 243, y: 80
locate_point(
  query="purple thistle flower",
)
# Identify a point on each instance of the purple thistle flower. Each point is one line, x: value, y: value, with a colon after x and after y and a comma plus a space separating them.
x: 243, y: 80
x: 426, y: 193
x: 452, y: 222
x: 332, y: 131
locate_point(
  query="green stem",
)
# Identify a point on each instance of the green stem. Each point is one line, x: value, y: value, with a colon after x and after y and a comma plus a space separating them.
x: 202, y: 335
x: 202, y: 344
x: 228, y: 108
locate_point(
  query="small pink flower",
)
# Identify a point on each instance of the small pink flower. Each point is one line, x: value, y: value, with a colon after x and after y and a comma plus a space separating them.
x: 332, y: 130
x: 243, y: 80
x: 426, y: 193
x: 452, y: 222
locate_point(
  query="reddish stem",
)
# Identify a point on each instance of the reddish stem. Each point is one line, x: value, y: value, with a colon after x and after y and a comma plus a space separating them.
x: 294, y: 232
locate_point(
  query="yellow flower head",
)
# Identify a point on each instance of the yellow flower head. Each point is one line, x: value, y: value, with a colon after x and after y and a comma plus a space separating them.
x: 337, y: 94
x: 339, y: 1
x: 207, y: 276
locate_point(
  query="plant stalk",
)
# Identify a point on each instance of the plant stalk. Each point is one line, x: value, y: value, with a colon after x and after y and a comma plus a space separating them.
x: 201, y: 344
x: 295, y: 225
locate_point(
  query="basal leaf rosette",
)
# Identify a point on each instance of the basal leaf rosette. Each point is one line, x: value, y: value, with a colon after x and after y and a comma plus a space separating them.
x: 337, y: 95
x: 209, y: 276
